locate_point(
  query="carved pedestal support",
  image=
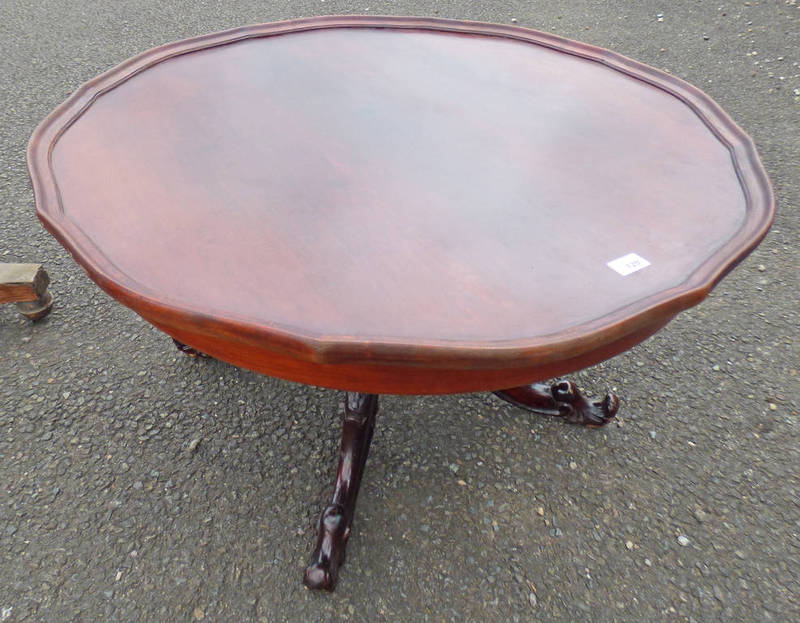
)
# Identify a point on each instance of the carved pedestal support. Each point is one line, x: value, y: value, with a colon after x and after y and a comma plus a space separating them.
x: 336, y: 520
x: 562, y: 399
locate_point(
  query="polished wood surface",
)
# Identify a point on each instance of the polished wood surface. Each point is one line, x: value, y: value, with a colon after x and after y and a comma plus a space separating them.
x: 398, y: 204
x: 335, y: 522
x: 563, y: 399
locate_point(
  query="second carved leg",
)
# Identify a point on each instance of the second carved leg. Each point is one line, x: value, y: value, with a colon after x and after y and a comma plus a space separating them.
x: 562, y: 399
x: 336, y: 520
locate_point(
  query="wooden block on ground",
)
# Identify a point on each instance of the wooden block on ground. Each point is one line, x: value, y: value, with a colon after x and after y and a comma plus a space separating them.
x: 22, y: 282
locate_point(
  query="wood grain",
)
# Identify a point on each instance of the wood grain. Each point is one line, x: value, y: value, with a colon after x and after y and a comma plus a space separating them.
x: 22, y: 282
x: 398, y: 204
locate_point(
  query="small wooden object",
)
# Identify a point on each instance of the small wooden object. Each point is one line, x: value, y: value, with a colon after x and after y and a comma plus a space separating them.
x: 26, y: 285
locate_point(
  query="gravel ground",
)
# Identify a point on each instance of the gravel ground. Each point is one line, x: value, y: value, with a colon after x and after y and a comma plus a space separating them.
x: 141, y: 485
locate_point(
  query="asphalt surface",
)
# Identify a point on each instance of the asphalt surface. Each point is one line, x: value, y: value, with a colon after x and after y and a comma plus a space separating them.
x: 140, y: 485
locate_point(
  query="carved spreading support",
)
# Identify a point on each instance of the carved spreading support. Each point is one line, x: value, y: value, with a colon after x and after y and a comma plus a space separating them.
x: 562, y: 399
x: 336, y: 520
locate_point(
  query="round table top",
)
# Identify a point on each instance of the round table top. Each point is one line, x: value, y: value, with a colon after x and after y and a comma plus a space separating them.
x: 399, y: 190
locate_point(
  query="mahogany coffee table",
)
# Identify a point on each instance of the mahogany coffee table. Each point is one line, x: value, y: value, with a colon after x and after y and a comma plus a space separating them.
x: 399, y: 205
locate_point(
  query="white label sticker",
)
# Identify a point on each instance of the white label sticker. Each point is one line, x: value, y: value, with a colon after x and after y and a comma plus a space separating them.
x: 628, y: 264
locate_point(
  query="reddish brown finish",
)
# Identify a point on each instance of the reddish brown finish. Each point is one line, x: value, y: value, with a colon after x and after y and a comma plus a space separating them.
x: 337, y: 519
x: 356, y: 202
x: 388, y: 379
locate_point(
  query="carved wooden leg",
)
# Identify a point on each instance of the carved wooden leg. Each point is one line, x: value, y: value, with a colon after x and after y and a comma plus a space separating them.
x: 335, y: 521
x: 188, y: 350
x: 562, y: 399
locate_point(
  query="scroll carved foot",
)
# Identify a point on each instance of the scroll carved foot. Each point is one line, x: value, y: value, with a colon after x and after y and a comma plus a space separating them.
x: 188, y: 350
x: 335, y: 522
x: 562, y: 399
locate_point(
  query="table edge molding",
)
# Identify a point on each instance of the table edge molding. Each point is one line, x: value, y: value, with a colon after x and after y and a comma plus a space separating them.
x: 331, y: 349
